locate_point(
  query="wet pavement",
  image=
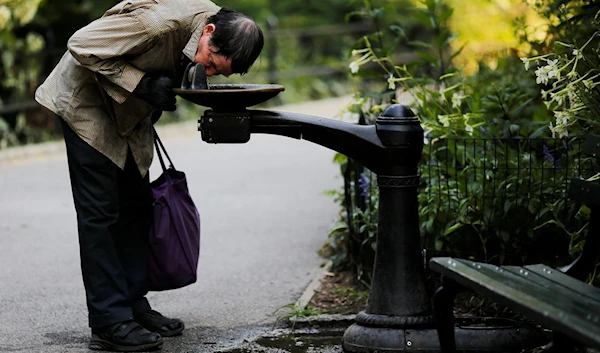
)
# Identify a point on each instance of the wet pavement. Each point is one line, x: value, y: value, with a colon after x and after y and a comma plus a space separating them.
x: 264, y: 216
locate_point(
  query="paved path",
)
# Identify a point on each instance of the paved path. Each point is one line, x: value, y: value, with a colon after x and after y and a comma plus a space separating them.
x: 264, y: 217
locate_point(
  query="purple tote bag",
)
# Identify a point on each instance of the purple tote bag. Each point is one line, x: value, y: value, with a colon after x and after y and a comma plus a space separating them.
x: 175, y: 229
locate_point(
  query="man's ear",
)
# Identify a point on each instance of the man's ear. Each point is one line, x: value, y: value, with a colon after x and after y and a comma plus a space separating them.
x: 209, y: 29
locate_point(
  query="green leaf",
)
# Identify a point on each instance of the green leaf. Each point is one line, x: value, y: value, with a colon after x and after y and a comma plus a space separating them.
x: 453, y: 228
x: 519, y: 110
x: 427, y: 57
x: 448, y: 75
x: 422, y: 16
x: 457, y: 52
x: 504, y: 235
x: 338, y: 230
x: 340, y: 158
x: 552, y: 221
x: 439, y: 244
x: 539, y: 132
x: 445, y: 15
x: 443, y: 39
x: 332, y: 192
x: 420, y: 44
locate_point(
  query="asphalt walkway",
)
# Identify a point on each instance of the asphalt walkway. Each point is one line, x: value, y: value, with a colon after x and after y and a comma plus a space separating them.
x: 264, y: 216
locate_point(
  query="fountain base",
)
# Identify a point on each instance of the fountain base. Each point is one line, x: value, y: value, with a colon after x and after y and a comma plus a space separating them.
x: 472, y: 335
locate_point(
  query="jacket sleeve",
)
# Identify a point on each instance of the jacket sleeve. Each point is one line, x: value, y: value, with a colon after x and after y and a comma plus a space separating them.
x: 102, y: 47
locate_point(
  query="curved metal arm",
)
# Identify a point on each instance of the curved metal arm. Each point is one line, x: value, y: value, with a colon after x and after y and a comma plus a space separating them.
x: 359, y: 142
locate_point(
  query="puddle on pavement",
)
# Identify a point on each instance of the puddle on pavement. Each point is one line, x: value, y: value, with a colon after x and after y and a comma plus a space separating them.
x: 297, y: 341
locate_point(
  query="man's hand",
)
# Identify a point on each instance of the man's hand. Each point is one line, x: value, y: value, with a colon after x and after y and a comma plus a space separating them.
x: 155, y: 116
x: 157, y: 90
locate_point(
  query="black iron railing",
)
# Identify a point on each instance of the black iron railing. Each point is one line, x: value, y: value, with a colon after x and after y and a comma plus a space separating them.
x: 496, y: 200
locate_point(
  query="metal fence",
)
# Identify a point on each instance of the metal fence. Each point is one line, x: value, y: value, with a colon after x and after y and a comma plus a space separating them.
x: 498, y: 170
x: 496, y: 200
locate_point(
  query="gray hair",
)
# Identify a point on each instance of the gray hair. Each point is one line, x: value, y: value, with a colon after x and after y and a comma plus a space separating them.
x: 236, y: 37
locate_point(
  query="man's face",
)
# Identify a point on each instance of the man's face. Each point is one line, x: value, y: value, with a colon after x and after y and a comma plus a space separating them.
x: 206, y: 55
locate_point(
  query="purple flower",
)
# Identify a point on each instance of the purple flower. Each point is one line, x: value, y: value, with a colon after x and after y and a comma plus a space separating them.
x: 364, y: 183
x: 550, y: 157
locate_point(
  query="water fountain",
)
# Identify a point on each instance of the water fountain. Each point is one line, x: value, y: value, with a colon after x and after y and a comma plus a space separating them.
x: 398, y: 317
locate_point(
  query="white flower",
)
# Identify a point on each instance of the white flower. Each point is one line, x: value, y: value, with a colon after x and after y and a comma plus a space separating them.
x: 572, y: 94
x: 35, y: 42
x: 4, y: 17
x: 552, y: 63
x: 554, y: 73
x: 469, y: 129
x: 457, y: 100
x: 442, y: 92
x: 561, y: 131
x: 354, y: 67
x: 26, y: 10
x: 572, y: 75
x: 577, y: 53
x: 562, y: 118
x: 526, y: 63
x: 552, y: 69
x: 444, y: 120
x: 541, y: 75
x: 558, y: 97
x: 391, y: 82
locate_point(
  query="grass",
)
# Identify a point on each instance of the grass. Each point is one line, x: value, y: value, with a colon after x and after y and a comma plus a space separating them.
x: 295, y: 311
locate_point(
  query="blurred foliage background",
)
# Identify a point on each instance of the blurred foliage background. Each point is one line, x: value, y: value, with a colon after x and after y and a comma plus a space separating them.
x: 506, y: 92
x: 307, y: 49
x: 516, y: 77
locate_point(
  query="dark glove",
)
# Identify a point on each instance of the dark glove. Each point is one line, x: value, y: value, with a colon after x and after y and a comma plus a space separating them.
x: 157, y: 90
x: 155, y: 116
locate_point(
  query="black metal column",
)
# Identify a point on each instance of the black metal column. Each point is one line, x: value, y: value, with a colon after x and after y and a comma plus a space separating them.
x: 398, y: 299
x: 398, y: 288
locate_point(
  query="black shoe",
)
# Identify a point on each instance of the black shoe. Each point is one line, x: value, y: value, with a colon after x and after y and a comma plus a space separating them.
x: 155, y: 322
x: 126, y: 336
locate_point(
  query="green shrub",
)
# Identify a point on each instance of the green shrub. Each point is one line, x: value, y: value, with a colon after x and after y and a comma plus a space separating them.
x: 494, y: 178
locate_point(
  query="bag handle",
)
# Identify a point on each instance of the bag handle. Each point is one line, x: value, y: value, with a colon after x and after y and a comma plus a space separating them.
x: 159, y: 146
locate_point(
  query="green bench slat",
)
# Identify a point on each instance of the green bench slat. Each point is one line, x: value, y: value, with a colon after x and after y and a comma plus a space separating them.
x: 570, y: 314
x: 559, y: 277
x: 553, y: 290
x: 549, y: 292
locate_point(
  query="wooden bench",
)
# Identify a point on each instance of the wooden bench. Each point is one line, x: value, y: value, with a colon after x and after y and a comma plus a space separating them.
x: 556, y: 299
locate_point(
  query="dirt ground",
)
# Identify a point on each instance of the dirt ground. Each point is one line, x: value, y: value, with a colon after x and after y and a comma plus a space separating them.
x: 339, y: 294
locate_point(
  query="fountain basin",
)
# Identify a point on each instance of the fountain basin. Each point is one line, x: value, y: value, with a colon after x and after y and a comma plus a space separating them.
x: 230, y: 97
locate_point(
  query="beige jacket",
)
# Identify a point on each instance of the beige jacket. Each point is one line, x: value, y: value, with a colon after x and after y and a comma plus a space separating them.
x: 91, y: 85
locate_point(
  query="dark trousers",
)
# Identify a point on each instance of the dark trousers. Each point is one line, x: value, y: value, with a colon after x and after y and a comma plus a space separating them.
x: 113, y: 218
